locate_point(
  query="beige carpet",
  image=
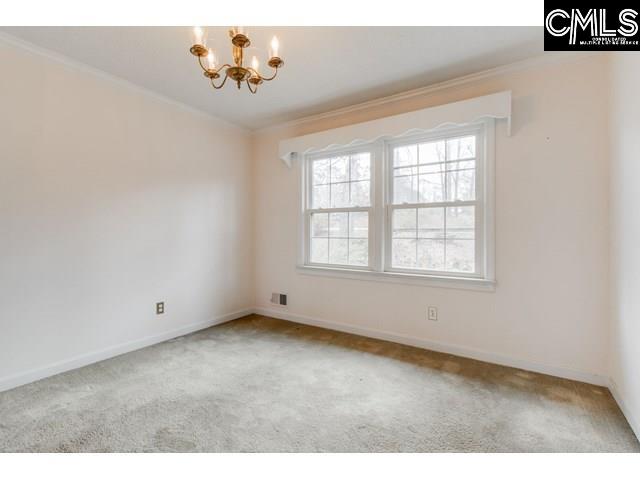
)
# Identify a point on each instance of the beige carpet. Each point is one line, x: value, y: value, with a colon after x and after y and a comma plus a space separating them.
x: 260, y: 384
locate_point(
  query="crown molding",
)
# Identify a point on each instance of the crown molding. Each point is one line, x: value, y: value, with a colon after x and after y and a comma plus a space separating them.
x: 534, y: 62
x: 522, y: 65
x: 19, y: 43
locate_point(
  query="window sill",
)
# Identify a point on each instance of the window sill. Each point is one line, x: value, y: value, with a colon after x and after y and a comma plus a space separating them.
x: 462, y: 283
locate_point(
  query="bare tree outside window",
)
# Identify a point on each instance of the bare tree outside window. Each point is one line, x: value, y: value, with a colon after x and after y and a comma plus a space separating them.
x: 431, y: 229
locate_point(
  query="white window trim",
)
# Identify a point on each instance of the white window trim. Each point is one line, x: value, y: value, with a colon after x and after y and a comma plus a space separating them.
x: 380, y: 228
x: 461, y: 283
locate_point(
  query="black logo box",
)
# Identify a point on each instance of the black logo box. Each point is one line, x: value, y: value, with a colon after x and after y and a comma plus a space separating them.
x: 590, y: 27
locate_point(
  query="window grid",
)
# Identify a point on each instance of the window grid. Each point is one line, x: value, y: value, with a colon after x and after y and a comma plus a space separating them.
x: 444, y: 173
x: 418, y: 173
x: 351, y: 227
x: 329, y: 209
x: 330, y: 183
x: 445, y: 204
x: 446, y: 233
x: 468, y: 234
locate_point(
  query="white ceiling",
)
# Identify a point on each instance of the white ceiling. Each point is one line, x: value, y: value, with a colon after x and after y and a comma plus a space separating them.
x: 325, y: 67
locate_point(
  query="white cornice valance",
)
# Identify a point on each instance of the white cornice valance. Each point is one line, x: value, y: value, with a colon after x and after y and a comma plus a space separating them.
x: 497, y: 105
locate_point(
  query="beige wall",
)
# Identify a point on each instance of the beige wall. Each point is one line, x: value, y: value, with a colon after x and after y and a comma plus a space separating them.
x: 550, y: 306
x: 111, y: 199
x: 625, y: 233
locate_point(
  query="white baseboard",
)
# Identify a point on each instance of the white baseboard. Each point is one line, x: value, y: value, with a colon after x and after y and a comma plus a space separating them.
x: 631, y: 420
x: 438, y: 347
x: 29, y: 376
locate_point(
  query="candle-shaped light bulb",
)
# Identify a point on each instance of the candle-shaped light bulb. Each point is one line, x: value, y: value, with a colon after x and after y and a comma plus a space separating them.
x: 275, y: 46
x: 255, y: 64
x: 211, y: 60
x: 198, y: 36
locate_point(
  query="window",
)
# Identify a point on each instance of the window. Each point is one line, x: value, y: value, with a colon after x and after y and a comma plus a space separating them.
x: 340, y: 209
x: 433, y: 205
x: 415, y: 207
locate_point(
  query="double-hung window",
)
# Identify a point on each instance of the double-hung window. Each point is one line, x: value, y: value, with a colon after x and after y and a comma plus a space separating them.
x: 409, y: 208
x: 339, y: 209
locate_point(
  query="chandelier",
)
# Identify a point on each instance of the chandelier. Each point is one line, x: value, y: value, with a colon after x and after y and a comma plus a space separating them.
x: 237, y: 72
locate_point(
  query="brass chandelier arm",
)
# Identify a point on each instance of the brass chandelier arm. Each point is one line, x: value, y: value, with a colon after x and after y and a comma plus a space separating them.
x: 249, y: 87
x: 259, y: 75
x: 255, y: 73
x: 226, y: 65
x: 200, y: 63
x: 221, y: 85
x: 266, y: 79
x: 204, y: 69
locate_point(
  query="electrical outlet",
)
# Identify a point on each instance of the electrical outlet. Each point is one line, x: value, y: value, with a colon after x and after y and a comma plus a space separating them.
x: 159, y: 308
x: 432, y: 314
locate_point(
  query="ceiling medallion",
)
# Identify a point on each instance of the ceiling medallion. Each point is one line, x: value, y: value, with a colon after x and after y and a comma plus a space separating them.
x: 237, y: 72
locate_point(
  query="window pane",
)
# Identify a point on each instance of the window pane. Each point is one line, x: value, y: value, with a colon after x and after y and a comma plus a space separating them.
x: 432, y: 152
x: 461, y: 222
x: 404, y: 223
x: 404, y: 253
x: 338, y: 250
x: 462, y: 147
x: 320, y: 197
x: 431, y: 254
x: 405, y: 171
x: 431, y: 188
x: 460, y: 165
x: 405, y: 155
x: 360, y: 192
x: 339, y: 224
x: 461, y: 181
x: 460, y: 256
x: 431, y: 223
x: 433, y: 168
x: 340, y: 169
x: 358, y: 252
x: 320, y: 225
x: 339, y: 195
x: 320, y: 171
x: 340, y: 238
x: 359, y: 225
x: 361, y: 166
x: 405, y: 186
x: 319, y: 250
